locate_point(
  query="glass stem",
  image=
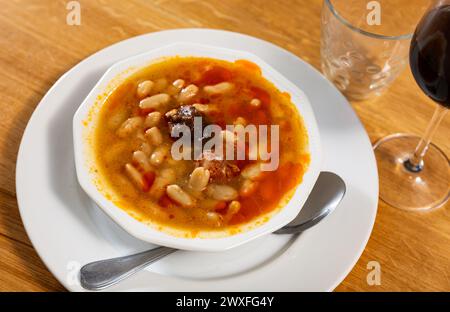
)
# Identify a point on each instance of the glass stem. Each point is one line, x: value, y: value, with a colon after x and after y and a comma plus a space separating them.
x: 415, y: 163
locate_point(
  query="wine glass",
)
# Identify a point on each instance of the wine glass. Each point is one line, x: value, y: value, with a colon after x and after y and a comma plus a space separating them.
x: 415, y: 173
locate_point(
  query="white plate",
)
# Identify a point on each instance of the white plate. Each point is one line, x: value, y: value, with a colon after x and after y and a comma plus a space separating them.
x: 68, y: 230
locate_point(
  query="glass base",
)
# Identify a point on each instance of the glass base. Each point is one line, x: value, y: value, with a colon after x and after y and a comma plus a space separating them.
x: 401, y: 188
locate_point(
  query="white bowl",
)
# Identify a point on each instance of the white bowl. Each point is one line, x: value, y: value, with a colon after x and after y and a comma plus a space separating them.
x: 84, y: 160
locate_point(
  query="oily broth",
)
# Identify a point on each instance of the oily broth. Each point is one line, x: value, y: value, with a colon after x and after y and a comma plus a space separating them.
x: 113, y: 152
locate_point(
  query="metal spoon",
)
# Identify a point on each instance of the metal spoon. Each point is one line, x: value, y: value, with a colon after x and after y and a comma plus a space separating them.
x: 324, y: 198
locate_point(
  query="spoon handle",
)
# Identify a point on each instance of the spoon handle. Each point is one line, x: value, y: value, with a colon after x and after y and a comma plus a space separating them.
x: 104, y: 273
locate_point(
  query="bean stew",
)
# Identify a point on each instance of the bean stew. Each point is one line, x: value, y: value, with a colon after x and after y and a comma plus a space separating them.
x: 134, y: 137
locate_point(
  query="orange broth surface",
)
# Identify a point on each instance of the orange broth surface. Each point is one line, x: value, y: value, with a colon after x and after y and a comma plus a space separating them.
x: 147, y: 201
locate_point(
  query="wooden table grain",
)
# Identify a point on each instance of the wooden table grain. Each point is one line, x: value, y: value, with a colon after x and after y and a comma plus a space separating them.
x: 37, y: 46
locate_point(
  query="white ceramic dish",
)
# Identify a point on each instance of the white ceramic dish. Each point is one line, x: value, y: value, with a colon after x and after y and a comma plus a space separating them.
x: 84, y: 160
x: 68, y: 230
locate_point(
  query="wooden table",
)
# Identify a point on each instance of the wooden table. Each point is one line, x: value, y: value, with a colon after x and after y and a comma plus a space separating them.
x: 37, y: 47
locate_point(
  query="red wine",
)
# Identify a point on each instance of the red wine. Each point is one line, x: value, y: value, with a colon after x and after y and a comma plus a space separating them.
x: 430, y: 55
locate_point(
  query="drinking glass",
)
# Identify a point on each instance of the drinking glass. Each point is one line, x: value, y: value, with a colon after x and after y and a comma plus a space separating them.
x: 415, y: 173
x: 365, y: 44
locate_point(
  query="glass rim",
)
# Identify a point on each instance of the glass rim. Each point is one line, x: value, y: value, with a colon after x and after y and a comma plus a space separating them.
x: 362, y: 31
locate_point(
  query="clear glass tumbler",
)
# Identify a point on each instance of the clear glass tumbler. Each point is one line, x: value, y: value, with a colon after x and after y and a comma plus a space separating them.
x: 365, y: 44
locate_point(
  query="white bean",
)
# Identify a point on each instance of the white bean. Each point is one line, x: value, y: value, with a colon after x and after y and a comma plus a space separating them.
x: 240, y: 121
x: 188, y: 93
x: 221, y: 192
x: 129, y: 126
x: 248, y: 187
x: 158, y: 155
x: 176, y: 87
x: 220, y: 88
x: 155, y: 101
x: 116, y: 118
x: 170, y: 113
x: 154, y: 135
x: 179, y: 83
x: 203, y: 108
x: 146, y: 148
x: 214, y: 218
x: 233, y: 208
x: 252, y: 172
x: 152, y: 119
x: 177, y: 194
x: 141, y: 159
x: 144, y: 88
x: 255, y: 103
x: 199, y: 179
x: 135, y: 176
